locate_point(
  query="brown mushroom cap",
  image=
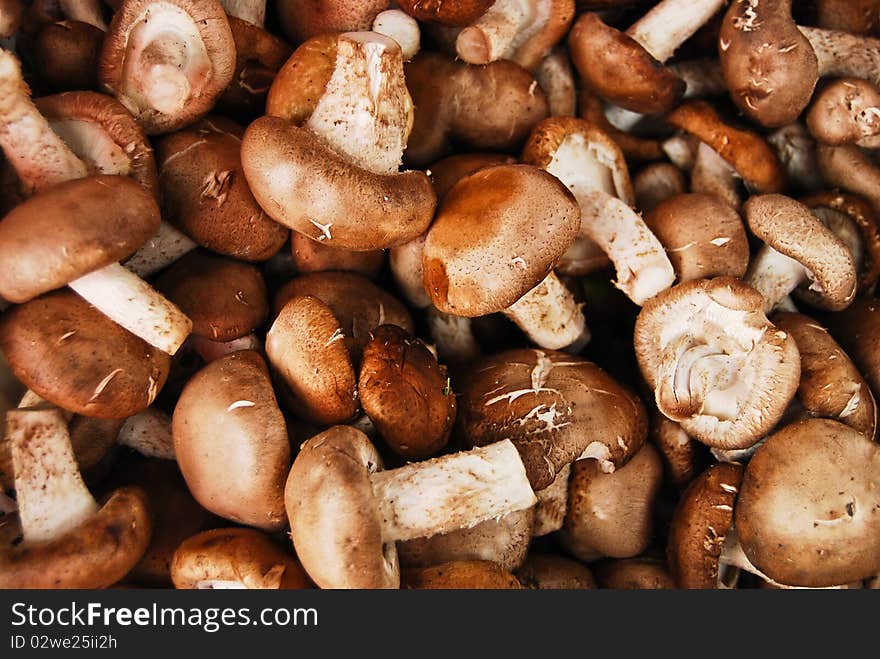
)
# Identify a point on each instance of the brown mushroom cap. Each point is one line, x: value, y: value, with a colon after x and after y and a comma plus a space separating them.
x: 301, y: 81
x: 857, y: 328
x: 239, y: 555
x: 338, y: 538
x: 231, y: 441
x: 496, y: 236
x: 225, y: 299
x: 807, y: 511
x: 447, y: 172
x: 703, y: 236
x: 550, y: 571
x: 655, y: 183
x: 701, y: 523
x: 206, y: 195
x: 75, y: 357
x: 554, y: 407
x: 682, y: 456
x: 847, y: 111
x: 636, y: 149
x: 312, y: 256
x: 72, y: 229
x: 460, y: 575
x: 640, y: 573
x: 406, y: 393
x: 456, y: 13
x: 65, y: 55
x: 617, y: 68
x: 303, y: 20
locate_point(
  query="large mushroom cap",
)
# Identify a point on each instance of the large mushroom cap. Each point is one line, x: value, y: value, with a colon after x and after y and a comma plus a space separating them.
x: 809, y: 510
x: 70, y: 230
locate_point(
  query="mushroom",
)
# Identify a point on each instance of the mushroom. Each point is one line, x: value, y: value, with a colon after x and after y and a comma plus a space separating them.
x: 238, y: 558
x: 302, y: 80
x: 460, y: 575
x: 847, y: 111
x: 713, y: 175
x: 715, y: 363
x: 149, y: 433
x: 487, y: 251
x: 165, y: 247
x: 67, y: 540
x: 167, y: 62
x: 796, y: 151
x: 847, y: 167
x: 854, y: 16
x: 231, y: 441
x: 401, y: 27
x: 636, y: 149
x: 655, y: 183
x: 639, y: 573
x: 346, y: 513
x: 843, y: 55
x: 681, y: 455
x: 11, y: 12
x: 798, y: 248
x: 552, y: 504
x: 857, y: 328
x: 210, y: 350
x: 304, y: 20
x: 554, y: 407
x: 252, y: 11
x: 552, y: 572
x: 65, y: 55
x: 556, y: 78
x: 312, y: 256
x: 449, y: 12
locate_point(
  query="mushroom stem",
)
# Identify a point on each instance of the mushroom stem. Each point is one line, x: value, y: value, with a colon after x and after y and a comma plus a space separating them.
x: 774, y: 276
x: 161, y: 78
x: 39, y: 156
x: 552, y: 504
x: 52, y: 498
x: 842, y: 55
x: 252, y: 11
x: 621, y: 118
x: 550, y: 317
x: 713, y: 175
x: 401, y: 27
x: 464, y: 489
x: 163, y: 249
x: 496, y: 32
x: 669, y: 24
x: 84, y: 11
x: 453, y: 337
x: 702, y: 77
x: 555, y: 76
x: 210, y: 350
x: 132, y: 303
x: 148, y: 433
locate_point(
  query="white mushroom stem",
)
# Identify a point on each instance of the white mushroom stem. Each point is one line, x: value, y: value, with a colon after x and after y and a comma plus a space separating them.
x: 453, y: 337
x: 797, y: 152
x: 132, y: 303
x: 84, y: 11
x: 681, y: 151
x: 556, y: 78
x: 40, y: 158
x: 163, y: 249
x: 366, y: 112
x: 401, y: 27
x: 252, y: 11
x: 669, y: 24
x: 552, y: 504
x: 406, y: 267
x: 741, y: 455
x: 702, y: 77
x: 451, y: 492
x: 550, y: 317
x: 774, y: 275
x: 499, y: 32
x: 148, y: 433
x: 52, y: 498
x: 621, y: 118
x: 210, y: 350
x: 842, y: 55
x: 713, y: 175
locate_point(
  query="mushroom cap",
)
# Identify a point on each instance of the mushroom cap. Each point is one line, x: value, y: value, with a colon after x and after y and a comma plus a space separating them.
x: 657, y: 182
x: 807, y: 511
x: 700, y: 524
x: 715, y: 363
x: 75, y: 357
x: 303, y: 20
x: 846, y: 112
x: 791, y: 229
x: 460, y: 575
x: 640, y: 573
x: 205, y: 193
x: 231, y: 441
x: 312, y: 256
x: 241, y: 555
x: 682, y: 456
x: 857, y: 328
x: 453, y: 13
x: 611, y: 514
x: 616, y: 67
x: 406, y: 393
x: 302, y: 80
x: 497, y: 235
x: 226, y: 299
x: 553, y: 572
x: 308, y: 187
x: 703, y: 236
x: 65, y: 54
x: 70, y: 230
x: 96, y: 554
x: 335, y: 523
x: 554, y: 407
x: 450, y: 170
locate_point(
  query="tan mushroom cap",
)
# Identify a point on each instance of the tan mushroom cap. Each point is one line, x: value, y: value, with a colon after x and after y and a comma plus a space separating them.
x: 309, y: 188
x: 554, y: 572
x: 205, y: 193
x: 616, y: 67
x: 715, y: 363
x: 406, y: 393
x: 454, y: 13
x: 231, y: 441
x: 700, y: 525
x: 554, y: 407
x: 745, y: 151
x: 497, y: 235
x: 244, y: 557
x: 703, y: 236
x: 338, y: 538
x: 301, y: 81
x: 75, y: 357
x: 225, y: 299
x: 655, y: 183
x: 70, y: 230
x: 450, y: 170
x: 847, y: 111
x: 682, y: 455
x: 791, y: 229
x: 807, y: 514
x: 311, y: 256
x: 640, y: 573
x: 303, y: 20
x: 612, y: 514
x: 831, y: 386
x: 857, y: 328
x: 460, y: 575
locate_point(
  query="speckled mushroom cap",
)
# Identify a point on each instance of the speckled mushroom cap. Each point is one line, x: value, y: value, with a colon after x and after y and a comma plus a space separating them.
x: 807, y: 513
x: 206, y: 195
x: 70, y: 230
x: 225, y: 299
x: 552, y: 571
x: 857, y: 328
x: 240, y: 557
x: 446, y: 12
x: 497, y: 235
x: 554, y: 407
x: 72, y: 355
x: 845, y: 112
x: 231, y: 441
x: 339, y: 538
x: 302, y: 80
x: 715, y: 363
x: 460, y: 575
x: 701, y: 523
x: 447, y: 172
x: 303, y: 20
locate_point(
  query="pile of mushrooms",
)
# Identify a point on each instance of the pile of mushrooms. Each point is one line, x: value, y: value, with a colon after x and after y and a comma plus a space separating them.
x: 476, y: 294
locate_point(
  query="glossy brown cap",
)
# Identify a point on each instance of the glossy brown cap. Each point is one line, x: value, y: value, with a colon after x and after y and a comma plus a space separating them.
x: 303, y: 20
x: 301, y: 81
x: 554, y: 572
x: 460, y: 575
x: 454, y: 13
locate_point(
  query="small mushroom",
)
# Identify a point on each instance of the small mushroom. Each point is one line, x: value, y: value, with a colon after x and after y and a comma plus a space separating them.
x: 554, y: 572
x: 847, y: 111
x: 639, y: 573
x: 460, y: 575
x: 303, y: 20
x: 401, y: 27
x: 655, y: 183
x: 312, y: 256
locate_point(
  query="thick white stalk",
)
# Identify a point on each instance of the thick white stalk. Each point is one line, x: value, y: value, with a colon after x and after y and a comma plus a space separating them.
x: 163, y: 249
x: 148, y: 433
x: 453, y: 337
x: 774, y: 276
x: 669, y: 24
x: 252, y: 11
x: 401, y: 27
x: 550, y: 317
x: 494, y: 35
